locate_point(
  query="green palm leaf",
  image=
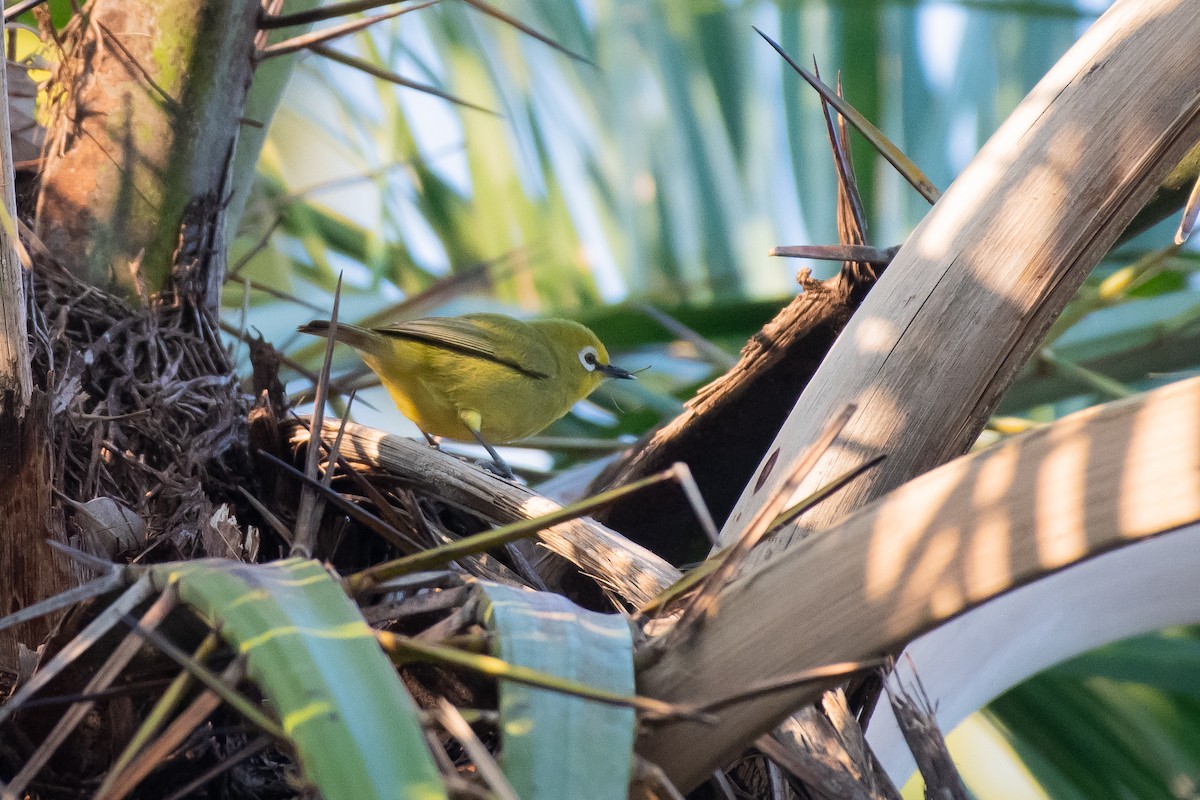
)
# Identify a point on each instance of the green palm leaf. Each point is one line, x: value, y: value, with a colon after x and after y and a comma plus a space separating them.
x: 352, y: 724
x: 555, y: 745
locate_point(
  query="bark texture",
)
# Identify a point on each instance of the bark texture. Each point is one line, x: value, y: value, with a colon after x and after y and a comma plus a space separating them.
x: 29, y: 570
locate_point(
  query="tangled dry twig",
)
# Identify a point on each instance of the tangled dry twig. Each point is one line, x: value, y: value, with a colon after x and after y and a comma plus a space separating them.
x: 145, y: 404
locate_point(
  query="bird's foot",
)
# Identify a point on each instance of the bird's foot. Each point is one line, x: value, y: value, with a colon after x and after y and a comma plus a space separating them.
x: 500, y: 470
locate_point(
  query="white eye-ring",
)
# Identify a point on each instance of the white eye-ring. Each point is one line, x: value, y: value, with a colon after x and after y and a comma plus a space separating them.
x: 589, y: 359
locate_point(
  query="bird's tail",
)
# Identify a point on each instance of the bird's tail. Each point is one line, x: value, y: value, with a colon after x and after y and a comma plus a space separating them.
x: 356, y: 337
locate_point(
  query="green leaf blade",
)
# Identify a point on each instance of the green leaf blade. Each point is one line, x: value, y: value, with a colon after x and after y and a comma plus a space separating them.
x: 353, y: 726
x: 556, y: 745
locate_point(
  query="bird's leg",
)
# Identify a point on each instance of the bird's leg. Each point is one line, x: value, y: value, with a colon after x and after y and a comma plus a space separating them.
x: 433, y: 440
x: 474, y: 422
x: 501, y: 464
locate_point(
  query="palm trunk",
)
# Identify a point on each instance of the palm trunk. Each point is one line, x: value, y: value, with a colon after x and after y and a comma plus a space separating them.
x: 29, y: 571
x: 145, y: 129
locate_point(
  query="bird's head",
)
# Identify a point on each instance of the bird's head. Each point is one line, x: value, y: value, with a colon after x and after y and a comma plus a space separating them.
x: 581, y: 354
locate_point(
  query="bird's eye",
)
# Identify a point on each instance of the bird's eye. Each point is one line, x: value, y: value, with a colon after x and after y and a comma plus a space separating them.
x: 589, y: 359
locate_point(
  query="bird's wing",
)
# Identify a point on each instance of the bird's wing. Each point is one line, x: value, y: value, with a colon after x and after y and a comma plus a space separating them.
x: 486, y: 336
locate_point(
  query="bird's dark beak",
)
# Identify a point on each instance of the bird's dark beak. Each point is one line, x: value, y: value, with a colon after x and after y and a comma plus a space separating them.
x: 611, y: 371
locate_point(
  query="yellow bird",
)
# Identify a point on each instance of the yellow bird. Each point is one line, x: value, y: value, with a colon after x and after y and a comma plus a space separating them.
x: 486, y: 377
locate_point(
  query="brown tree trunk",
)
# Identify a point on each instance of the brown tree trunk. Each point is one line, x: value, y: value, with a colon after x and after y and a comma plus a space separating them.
x: 29, y: 570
